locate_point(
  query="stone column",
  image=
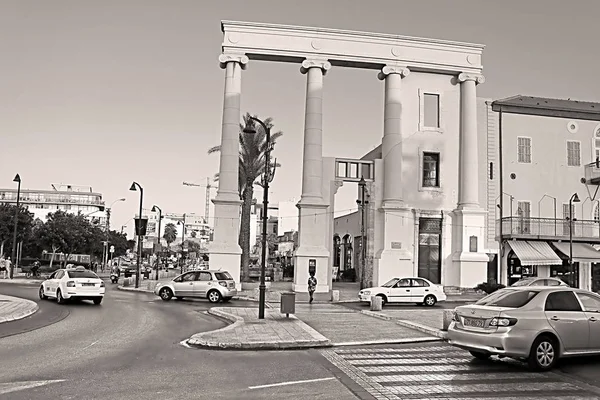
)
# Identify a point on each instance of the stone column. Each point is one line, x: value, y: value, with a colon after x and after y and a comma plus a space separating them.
x: 395, y: 258
x: 468, y: 196
x: 224, y: 250
x: 312, y: 237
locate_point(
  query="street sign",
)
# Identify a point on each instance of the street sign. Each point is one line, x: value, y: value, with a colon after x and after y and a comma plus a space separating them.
x: 112, y: 249
x: 141, y: 226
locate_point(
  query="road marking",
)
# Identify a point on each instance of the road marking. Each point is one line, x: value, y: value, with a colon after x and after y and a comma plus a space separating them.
x: 16, y: 386
x: 87, y: 347
x: 184, y: 343
x: 291, y: 383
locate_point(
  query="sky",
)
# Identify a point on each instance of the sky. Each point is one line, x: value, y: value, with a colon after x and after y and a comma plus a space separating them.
x: 105, y: 92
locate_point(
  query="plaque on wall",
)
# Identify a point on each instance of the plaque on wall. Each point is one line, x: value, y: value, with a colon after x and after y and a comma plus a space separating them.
x: 396, y: 245
x: 473, y: 244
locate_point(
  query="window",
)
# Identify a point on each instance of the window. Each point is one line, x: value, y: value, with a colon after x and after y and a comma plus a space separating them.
x: 431, y: 169
x: 189, y: 277
x: 509, y: 299
x: 573, y: 153
x: 419, y: 283
x: 82, y: 274
x: 524, y: 150
x: 205, y: 276
x: 431, y: 110
x: 390, y: 283
x: 524, y: 213
x: 223, y: 276
x: 403, y: 283
x: 562, y: 301
x: 552, y: 282
x: 590, y: 303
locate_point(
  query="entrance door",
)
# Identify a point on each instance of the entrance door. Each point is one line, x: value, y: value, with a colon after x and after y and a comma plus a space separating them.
x: 430, y: 262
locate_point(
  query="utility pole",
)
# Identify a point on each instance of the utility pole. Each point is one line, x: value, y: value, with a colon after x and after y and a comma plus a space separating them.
x: 362, y: 204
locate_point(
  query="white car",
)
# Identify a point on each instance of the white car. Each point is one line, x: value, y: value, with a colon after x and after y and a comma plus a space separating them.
x: 73, y: 284
x: 406, y: 290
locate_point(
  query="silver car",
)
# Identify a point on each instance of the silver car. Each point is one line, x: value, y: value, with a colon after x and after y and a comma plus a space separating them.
x: 532, y: 323
x: 214, y: 285
x: 535, y: 281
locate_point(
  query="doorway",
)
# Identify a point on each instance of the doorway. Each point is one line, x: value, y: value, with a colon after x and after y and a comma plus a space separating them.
x: 430, y: 239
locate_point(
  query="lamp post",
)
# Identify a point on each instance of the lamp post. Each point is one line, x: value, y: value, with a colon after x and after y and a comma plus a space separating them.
x: 14, y: 243
x: 574, y: 199
x: 154, y: 209
x: 108, y: 230
x: 140, y: 237
x: 362, y: 203
x: 182, y: 239
x: 267, y: 178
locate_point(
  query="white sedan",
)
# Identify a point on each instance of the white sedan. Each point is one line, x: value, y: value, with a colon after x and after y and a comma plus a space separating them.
x: 73, y: 284
x: 406, y: 290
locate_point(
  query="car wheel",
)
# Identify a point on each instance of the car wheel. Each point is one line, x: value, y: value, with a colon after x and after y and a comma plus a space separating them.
x: 429, y: 300
x: 166, y: 294
x: 214, y: 296
x: 59, y: 298
x: 383, y: 299
x: 544, y: 354
x: 480, y: 355
x: 42, y: 295
x: 98, y: 300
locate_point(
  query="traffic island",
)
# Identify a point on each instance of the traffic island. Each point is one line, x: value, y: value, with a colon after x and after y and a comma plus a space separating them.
x: 247, y: 332
x: 15, y: 308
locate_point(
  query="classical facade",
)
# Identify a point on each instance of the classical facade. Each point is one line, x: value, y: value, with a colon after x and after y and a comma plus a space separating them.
x: 430, y: 120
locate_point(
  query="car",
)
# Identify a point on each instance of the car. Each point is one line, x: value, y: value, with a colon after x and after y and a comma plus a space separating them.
x: 406, y: 290
x: 536, y: 281
x: 532, y: 323
x: 73, y: 284
x: 214, y: 285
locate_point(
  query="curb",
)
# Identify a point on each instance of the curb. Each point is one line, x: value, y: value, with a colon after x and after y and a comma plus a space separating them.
x: 409, y: 324
x: 17, y: 281
x: 132, y: 289
x: 202, y: 343
x: 384, y: 341
x: 31, y: 309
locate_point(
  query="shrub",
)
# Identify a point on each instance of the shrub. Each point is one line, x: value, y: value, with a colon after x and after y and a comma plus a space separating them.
x: 488, y: 287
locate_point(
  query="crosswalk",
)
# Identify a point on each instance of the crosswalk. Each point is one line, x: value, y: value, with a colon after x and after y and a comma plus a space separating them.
x: 443, y: 371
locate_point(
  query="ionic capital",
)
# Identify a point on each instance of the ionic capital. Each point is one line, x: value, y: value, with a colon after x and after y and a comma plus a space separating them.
x: 477, y: 78
x: 393, y: 69
x: 241, y: 59
x: 315, y: 63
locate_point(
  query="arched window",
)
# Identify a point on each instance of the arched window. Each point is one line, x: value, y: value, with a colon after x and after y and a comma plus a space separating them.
x: 347, y: 245
x: 336, y: 251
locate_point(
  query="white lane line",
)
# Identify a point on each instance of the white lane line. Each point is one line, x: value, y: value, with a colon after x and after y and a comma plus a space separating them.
x: 87, y: 347
x: 17, y: 386
x: 291, y: 383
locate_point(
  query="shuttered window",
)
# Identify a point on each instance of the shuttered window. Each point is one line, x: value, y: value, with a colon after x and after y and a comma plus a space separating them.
x: 573, y: 153
x: 524, y: 150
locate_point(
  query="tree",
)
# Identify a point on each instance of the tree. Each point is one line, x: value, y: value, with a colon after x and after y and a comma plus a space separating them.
x: 170, y: 234
x: 67, y: 233
x: 253, y: 148
x: 7, y: 226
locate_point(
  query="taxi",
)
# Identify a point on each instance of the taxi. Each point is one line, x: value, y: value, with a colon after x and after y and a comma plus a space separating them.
x: 73, y: 284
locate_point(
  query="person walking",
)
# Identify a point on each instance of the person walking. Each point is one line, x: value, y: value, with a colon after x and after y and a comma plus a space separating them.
x: 3, y: 268
x: 312, y: 286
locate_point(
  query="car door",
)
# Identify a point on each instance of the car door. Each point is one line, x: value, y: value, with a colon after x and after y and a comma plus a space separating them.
x: 591, y: 307
x: 184, y: 285
x: 565, y: 315
x: 419, y: 289
x: 202, y: 284
x: 55, y: 283
x: 47, y: 284
x: 401, y: 291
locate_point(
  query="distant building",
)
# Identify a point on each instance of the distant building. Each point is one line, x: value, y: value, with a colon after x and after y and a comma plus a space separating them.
x: 196, y: 228
x: 68, y: 198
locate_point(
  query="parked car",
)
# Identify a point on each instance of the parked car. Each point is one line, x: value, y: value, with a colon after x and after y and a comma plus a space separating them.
x: 533, y: 323
x: 214, y: 285
x: 406, y: 290
x: 536, y: 281
x: 73, y: 284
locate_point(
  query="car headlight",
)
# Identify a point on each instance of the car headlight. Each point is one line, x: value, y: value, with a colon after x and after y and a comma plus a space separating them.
x: 365, y: 292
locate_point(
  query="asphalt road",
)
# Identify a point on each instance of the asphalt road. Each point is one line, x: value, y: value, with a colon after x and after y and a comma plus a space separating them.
x: 129, y: 348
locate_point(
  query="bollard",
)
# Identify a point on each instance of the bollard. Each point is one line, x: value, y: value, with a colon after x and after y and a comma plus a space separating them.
x: 448, y: 315
x: 376, y: 303
x: 335, y: 296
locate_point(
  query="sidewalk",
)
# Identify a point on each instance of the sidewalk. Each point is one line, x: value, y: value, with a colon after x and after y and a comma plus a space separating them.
x: 14, y: 308
x: 428, y: 320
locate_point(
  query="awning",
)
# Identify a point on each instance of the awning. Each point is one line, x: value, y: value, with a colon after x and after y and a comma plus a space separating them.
x: 534, y: 253
x: 582, y: 252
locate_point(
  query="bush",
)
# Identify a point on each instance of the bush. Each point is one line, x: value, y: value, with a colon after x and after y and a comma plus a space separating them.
x: 489, y: 287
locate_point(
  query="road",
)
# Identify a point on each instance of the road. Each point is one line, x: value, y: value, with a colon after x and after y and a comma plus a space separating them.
x: 129, y: 348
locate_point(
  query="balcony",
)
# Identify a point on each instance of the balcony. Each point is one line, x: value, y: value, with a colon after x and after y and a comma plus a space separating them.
x: 592, y: 173
x: 547, y: 229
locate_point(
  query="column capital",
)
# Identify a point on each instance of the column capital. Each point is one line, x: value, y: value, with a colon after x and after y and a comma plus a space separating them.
x: 466, y: 76
x: 315, y: 63
x: 225, y: 58
x: 393, y: 69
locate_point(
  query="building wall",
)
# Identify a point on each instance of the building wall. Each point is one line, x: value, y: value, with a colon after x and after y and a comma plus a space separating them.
x: 288, y: 216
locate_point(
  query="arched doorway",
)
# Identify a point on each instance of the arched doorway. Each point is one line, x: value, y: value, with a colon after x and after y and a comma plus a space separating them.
x: 337, y: 255
x: 347, y: 251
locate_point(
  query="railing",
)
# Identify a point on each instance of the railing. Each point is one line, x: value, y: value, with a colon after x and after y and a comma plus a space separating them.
x: 547, y: 227
x: 592, y: 173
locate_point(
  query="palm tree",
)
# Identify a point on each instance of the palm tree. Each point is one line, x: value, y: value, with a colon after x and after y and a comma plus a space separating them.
x: 253, y: 147
x: 170, y: 234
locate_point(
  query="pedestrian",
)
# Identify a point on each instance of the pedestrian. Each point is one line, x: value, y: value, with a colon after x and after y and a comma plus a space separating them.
x: 7, y: 265
x: 3, y: 268
x: 312, y: 286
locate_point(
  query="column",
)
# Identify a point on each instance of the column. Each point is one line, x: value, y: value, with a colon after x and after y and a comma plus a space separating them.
x: 396, y: 256
x: 224, y: 250
x: 468, y: 196
x: 312, y: 238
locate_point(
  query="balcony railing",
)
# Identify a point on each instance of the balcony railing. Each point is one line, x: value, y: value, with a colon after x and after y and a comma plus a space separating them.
x: 547, y: 228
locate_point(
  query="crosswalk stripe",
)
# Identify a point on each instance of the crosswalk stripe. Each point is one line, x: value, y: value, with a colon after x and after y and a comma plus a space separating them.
x: 450, y: 390
x: 423, y: 349
x: 455, y: 378
x: 433, y: 368
x: 368, y: 356
x: 409, y: 361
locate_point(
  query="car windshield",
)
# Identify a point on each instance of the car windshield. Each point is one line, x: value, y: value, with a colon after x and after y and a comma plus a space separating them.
x: 508, y: 298
x: 522, y: 282
x: 390, y: 283
x: 223, y: 276
x: 82, y: 274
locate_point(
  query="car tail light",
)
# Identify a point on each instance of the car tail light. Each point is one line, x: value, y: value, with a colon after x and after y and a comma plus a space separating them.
x: 223, y: 283
x: 101, y: 284
x: 503, y: 321
x: 71, y: 284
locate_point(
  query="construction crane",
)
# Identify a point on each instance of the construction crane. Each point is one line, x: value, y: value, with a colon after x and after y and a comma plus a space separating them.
x: 208, y: 186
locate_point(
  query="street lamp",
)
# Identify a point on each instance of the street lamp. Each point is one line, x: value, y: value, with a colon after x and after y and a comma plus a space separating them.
x: 108, y: 230
x: 14, y: 244
x: 154, y: 209
x: 140, y: 237
x: 362, y: 203
x: 268, y: 176
x: 574, y: 199
x: 182, y: 223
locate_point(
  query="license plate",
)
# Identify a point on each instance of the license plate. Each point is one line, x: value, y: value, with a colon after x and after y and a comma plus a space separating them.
x: 475, y: 323
x: 87, y: 284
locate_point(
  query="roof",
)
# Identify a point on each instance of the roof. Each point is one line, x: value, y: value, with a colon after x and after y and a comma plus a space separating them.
x: 547, y: 107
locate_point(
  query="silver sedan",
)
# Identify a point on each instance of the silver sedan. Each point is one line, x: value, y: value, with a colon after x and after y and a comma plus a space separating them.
x: 536, y: 324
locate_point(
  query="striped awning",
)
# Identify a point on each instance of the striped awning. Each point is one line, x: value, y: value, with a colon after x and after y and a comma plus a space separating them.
x: 582, y: 252
x: 534, y: 253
